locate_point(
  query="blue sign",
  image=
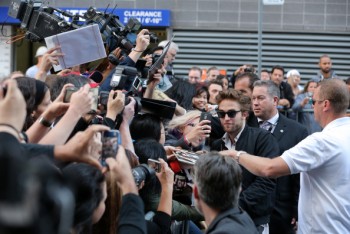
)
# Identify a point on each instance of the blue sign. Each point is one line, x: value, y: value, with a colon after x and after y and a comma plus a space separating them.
x: 147, y: 17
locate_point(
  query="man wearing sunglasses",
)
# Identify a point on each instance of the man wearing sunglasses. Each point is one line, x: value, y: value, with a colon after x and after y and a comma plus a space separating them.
x: 323, y: 161
x: 257, y: 196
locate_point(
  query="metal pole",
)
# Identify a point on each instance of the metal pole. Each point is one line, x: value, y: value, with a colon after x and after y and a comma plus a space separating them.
x: 260, y: 18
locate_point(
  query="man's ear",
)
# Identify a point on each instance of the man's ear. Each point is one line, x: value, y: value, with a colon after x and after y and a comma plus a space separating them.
x: 195, y: 192
x: 245, y: 114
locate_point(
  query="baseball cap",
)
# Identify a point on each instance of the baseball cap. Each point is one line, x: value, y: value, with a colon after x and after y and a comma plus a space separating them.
x: 41, y: 51
x: 293, y: 72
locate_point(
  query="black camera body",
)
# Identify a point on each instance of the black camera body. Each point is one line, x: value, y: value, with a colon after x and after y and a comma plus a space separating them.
x: 142, y: 173
x: 125, y: 78
x: 42, y: 21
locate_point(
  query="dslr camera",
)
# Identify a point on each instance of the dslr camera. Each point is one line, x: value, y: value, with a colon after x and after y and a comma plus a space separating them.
x: 142, y: 173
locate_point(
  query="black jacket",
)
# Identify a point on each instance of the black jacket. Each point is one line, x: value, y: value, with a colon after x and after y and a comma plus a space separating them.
x: 233, y: 220
x: 288, y: 134
x: 286, y: 92
x: 257, y: 196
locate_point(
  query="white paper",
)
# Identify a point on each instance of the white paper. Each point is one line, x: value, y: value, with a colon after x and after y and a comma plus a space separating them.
x: 79, y: 46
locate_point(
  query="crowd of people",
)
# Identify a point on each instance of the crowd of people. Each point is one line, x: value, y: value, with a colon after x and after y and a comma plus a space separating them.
x: 272, y: 155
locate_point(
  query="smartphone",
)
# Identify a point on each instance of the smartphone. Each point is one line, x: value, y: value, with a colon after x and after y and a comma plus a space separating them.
x: 110, y: 142
x: 68, y: 94
x: 205, y: 116
x: 94, y: 103
x: 155, y: 164
x: 103, y: 99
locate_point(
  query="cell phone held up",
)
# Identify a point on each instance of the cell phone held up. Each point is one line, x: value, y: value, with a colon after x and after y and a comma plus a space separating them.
x: 93, y: 91
x: 205, y: 116
x: 154, y: 164
x: 68, y: 94
x: 110, y: 141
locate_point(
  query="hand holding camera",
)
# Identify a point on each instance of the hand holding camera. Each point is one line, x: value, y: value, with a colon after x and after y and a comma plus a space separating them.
x: 122, y: 170
x: 80, y: 100
x: 165, y: 175
x: 12, y: 105
x: 115, y: 104
x: 129, y: 111
x: 199, y: 132
x: 77, y: 148
x: 57, y: 107
x: 142, y: 41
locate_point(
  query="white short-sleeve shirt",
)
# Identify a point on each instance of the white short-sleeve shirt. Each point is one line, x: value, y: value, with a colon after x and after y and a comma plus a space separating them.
x: 323, y: 160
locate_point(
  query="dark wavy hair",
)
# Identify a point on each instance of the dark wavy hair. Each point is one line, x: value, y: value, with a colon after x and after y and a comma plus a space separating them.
x: 86, y: 183
x: 33, y: 92
x: 145, y: 126
x: 150, y: 149
x: 237, y: 96
x: 182, y: 92
x: 59, y: 82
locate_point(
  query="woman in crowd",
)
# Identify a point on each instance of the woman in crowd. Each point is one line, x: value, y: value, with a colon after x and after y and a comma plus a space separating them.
x: 147, y: 126
x: 224, y: 81
x: 187, y: 132
x: 293, y: 78
x: 89, y: 187
x: 304, y: 102
x: 200, y: 102
x: 200, y: 98
x: 37, y: 96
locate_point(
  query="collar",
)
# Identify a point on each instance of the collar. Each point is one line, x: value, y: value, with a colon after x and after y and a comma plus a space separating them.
x: 273, y: 120
x: 227, y: 141
x: 231, y: 212
x: 320, y: 76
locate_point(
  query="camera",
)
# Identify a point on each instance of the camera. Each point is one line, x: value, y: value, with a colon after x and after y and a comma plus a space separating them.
x: 68, y: 93
x: 125, y: 78
x: 248, y: 69
x: 155, y: 164
x: 152, y: 37
x: 155, y: 57
x: 142, y: 173
x: 103, y: 98
x: 110, y: 142
x: 42, y: 21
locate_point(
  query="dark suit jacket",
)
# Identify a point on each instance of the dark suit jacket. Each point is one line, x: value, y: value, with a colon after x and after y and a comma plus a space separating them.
x: 233, y: 220
x: 286, y: 92
x: 257, y: 193
x: 288, y: 133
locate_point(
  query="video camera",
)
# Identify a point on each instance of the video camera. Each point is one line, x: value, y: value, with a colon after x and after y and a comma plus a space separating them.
x: 42, y: 21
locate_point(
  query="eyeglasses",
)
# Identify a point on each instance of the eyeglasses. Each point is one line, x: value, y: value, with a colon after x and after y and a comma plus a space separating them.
x: 230, y: 113
x: 314, y: 101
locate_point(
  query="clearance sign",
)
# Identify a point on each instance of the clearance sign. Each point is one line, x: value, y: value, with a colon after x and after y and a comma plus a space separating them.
x: 147, y: 17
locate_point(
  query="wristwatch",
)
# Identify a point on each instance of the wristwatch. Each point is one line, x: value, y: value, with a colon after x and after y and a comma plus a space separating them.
x: 239, y: 154
x: 45, y: 122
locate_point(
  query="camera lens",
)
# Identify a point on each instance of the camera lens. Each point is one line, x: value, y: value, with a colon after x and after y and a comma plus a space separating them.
x: 142, y: 173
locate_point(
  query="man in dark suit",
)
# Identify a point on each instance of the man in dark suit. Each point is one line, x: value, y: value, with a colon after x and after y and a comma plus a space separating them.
x: 257, y: 196
x: 288, y: 133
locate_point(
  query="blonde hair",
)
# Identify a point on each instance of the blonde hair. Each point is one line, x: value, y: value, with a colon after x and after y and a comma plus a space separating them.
x: 184, y: 119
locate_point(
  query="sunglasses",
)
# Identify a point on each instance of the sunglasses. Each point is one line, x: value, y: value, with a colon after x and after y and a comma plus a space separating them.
x: 314, y: 101
x: 230, y: 113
